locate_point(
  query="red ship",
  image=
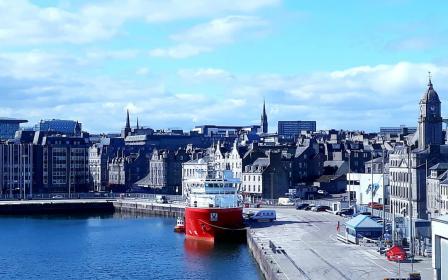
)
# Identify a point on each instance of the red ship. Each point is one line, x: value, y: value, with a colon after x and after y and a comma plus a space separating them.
x: 214, y: 211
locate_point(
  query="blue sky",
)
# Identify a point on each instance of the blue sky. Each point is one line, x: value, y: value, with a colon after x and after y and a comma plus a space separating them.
x: 174, y: 63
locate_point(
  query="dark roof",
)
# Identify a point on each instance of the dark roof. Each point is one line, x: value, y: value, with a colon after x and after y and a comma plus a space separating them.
x: 439, y: 166
x: 11, y: 120
x: 430, y: 95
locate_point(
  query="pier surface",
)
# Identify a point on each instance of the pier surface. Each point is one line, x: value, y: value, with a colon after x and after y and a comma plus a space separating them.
x: 306, y: 247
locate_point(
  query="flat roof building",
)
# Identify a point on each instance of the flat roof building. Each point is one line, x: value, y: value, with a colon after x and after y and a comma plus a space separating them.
x: 8, y: 127
x: 291, y: 129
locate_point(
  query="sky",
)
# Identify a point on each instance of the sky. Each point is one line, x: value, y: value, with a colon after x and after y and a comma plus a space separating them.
x: 178, y: 64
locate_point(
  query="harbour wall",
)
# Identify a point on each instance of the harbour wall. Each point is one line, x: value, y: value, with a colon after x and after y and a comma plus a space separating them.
x: 266, y: 263
x: 148, y: 208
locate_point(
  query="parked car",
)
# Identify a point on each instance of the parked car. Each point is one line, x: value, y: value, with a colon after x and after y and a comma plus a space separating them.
x: 57, y: 196
x: 161, y: 199
x: 427, y: 252
x: 301, y: 206
x: 345, y: 212
x: 264, y: 215
x: 309, y: 207
x: 321, y: 208
x: 366, y: 213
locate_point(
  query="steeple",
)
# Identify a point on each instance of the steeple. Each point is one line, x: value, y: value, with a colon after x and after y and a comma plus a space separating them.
x: 137, y: 124
x: 127, y: 128
x: 264, y: 119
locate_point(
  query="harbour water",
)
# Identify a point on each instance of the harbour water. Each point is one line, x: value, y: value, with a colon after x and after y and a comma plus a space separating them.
x: 113, y: 247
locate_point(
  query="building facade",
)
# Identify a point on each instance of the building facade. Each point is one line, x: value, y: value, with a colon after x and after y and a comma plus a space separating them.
x: 292, y: 129
x: 66, y: 127
x: 8, y: 127
x: 63, y: 164
x: 265, y: 178
x: 16, y: 170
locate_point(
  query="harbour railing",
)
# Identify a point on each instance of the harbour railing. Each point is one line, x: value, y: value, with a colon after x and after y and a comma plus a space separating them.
x: 90, y: 195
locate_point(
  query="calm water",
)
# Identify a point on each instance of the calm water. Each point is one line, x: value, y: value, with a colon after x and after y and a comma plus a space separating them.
x: 113, y: 247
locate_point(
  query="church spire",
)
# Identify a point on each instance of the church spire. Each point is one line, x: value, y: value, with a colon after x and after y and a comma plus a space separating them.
x: 264, y: 119
x: 429, y: 80
x: 127, y: 129
x: 128, y: 123
x: 137, y: 124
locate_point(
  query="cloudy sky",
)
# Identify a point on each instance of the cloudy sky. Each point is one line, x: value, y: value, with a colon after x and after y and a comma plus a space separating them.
x: 177, y: 63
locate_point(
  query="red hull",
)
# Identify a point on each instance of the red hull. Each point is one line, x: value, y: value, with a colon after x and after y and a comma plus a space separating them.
x: 213, y: 223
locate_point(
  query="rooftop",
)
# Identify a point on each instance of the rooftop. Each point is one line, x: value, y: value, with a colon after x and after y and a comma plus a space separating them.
x: 11, y: 120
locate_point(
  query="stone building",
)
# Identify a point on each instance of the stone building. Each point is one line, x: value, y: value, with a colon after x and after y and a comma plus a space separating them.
x: 265, y: 178
x: 99, y: 157
x: 408, y: 167
x: 125, y: 170
x: 165, y: 171
x: 436, y: 182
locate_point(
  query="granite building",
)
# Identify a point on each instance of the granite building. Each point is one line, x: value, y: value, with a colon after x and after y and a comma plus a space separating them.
x: 125, y: 170
x: 408, y: 167
x: 165, y: 171
x: 265, y: 178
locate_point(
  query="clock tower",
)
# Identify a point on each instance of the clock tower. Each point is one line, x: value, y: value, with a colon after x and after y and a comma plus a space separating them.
x: 430, y: 119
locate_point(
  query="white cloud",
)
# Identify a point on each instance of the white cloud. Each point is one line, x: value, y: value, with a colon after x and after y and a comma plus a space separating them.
x: 179, y: 51
x: 22, y: 22
x: 208, y: 36
x: 39, y: 85
x: 201, y: 74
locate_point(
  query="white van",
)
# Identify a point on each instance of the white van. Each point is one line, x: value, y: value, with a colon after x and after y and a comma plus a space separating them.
x: 264, y: 216
x: 285, y: 201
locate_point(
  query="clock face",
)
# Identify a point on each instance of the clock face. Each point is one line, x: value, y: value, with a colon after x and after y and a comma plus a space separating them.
x: 433, y: 108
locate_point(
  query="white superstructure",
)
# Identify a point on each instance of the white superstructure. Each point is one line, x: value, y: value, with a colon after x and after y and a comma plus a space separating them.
x: 213, y: 189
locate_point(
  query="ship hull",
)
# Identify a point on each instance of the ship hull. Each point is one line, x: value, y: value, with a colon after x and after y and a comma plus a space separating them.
x: 212, y: 224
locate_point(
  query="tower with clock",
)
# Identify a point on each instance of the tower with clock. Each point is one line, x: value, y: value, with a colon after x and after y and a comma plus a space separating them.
x: 430, y: 119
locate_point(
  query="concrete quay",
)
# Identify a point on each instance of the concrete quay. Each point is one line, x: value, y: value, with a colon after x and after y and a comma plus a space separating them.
x: 303, y: 245
x: 148, y: 207
x: 75, y: 206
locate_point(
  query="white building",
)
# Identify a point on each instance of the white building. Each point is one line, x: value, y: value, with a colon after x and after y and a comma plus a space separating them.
x: 360, y: 184
x: 440, y: 247
x: 193, y: 169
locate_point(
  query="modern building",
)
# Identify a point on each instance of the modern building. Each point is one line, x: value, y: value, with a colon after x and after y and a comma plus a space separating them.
x: 360, y: 186
x: 66, y: 127
x: 16, y: 170
x: 439, y: 227
x: 222, y: 131
x: 292, y: 129
x: 402, y: 129
x: 62, y: 164
x: 8, y: 127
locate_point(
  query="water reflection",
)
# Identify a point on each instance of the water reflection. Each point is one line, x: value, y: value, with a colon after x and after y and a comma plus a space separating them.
x: 200, y: 248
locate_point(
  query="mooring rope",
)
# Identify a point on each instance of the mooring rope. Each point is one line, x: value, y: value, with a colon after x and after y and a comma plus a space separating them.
x: 212, y: 225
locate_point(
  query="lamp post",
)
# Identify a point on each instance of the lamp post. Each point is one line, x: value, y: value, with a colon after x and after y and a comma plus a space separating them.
x: 349, y: 181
